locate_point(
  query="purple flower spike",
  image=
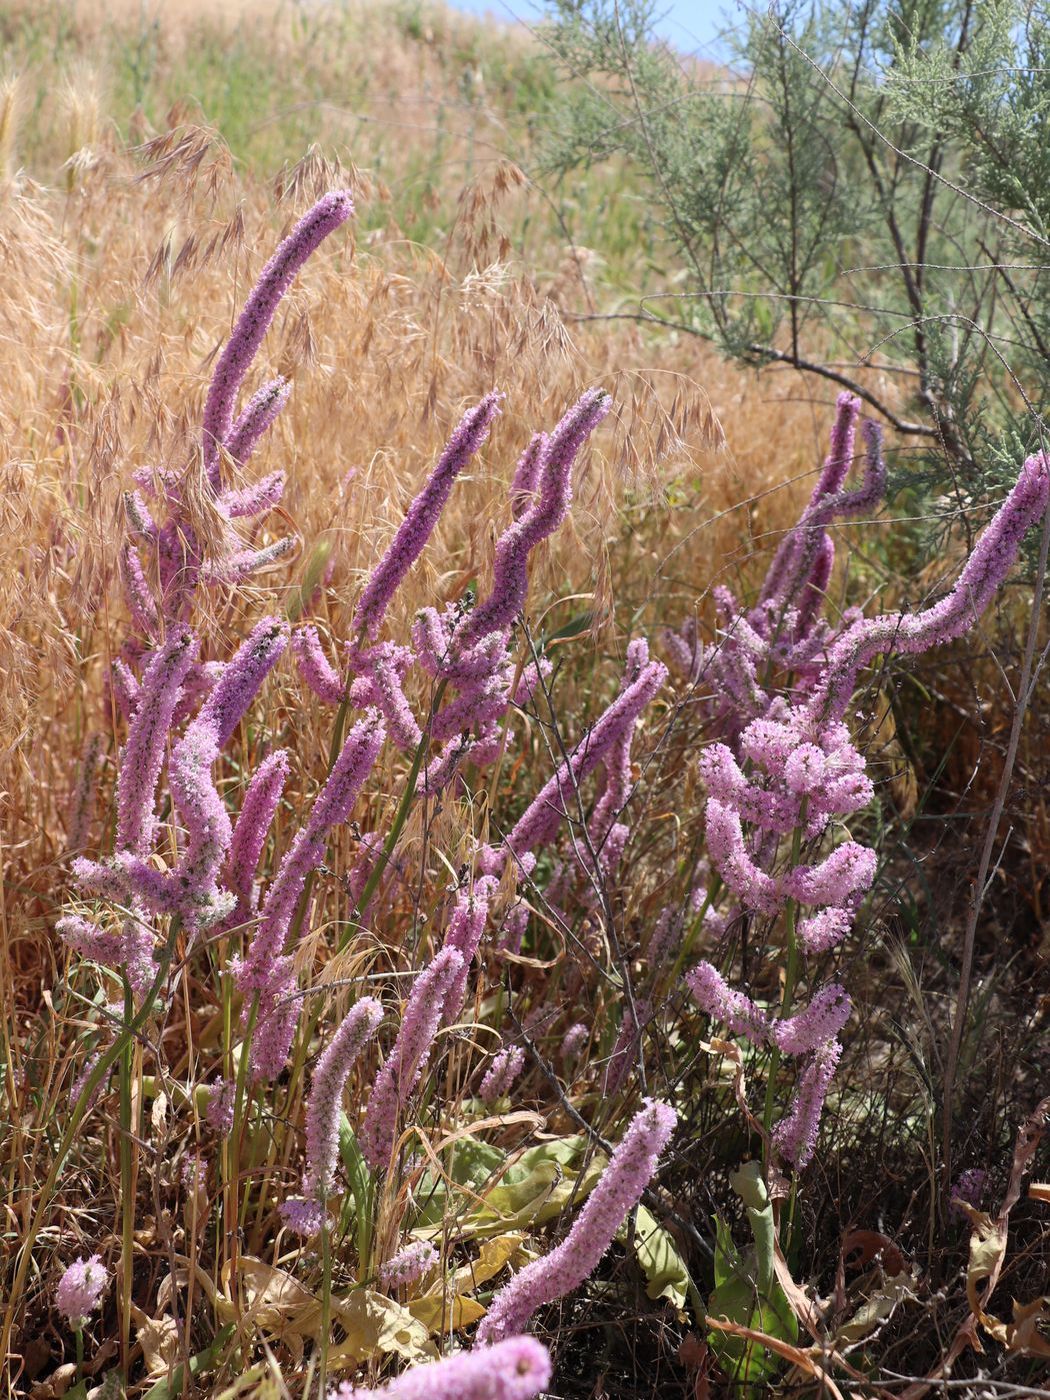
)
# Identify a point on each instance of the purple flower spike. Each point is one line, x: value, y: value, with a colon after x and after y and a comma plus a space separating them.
x: 143, y: 754
x: 991, y: 560
x: 422, y: 515
x: 618, y: 1191
x: 795, y: 1136
x: 259, y: 414
x: 334, y: 804
x: 526, y: 475
x: 540, y: 820
x: 714, y: 995
x: 336, y: 800
x: 82, y: 800
x: 517, y: 1369
x: 510, y: 579
x: 464, y: 931
x: 207, y: 822
x: 399, y: 1075
x: 141, y: 603
x: 80, y: 1289
x: 254, y: 321
x: 326, y: 1101
x: 502, y: 1074
x: 408, y: 1264
x: 251, y: 829
x: 239, y: 683
x: 315, y: 668
x: 822, y: 1019
x: 261, y: 496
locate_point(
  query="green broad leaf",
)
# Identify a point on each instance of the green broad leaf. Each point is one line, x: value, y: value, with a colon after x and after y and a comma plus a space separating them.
x: 658, y: 1258
x: 535, y: 1188
x: 746, y: 1289
x: 472, y: 1164
x: 748, y: 1184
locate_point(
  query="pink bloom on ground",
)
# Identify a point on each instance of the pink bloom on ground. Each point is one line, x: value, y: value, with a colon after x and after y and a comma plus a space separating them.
x: 408, y: 1264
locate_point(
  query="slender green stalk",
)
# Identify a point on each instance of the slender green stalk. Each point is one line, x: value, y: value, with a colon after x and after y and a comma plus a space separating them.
x: 326, y: 1308
x: 127, y: 1185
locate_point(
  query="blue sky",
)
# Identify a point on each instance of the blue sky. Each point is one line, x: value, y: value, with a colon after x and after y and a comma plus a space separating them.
x: 691, y: 25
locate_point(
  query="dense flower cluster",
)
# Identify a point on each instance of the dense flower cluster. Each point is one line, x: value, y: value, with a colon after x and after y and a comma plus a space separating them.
x: 80, y: 1290
x: 789, y: 769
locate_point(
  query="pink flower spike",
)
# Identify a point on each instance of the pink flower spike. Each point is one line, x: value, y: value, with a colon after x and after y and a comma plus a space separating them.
x: 847, y: 871
x: 822, y: 1019
x: 556, y: 799
x: 254, y: 321
x: 251, y: 829
x: 618, y: 1191
x: 510, y: 567
x: 315, y: 668
x: 143, y: 754
x: 730, y: 857
x: 220, y: 1107
x: 80, y: 1290
x: 465, y: 928
x: 795, y: 1136
x: 141, y: 603
x: 422, y: 516
x: 408, y: 1264
x: 984, y: 571
x: 517, y: 1369
x: 526, y: 475
x: 506, y: 1066
x: 83, y: 798
x: 258, y: 416
x: 322, y: 1113
x: 576, y: 1037
x: 399, y: 1075
x: 824, y: 930
x: 714, y: 995
x: 253, y: 500
x: 336, y: 799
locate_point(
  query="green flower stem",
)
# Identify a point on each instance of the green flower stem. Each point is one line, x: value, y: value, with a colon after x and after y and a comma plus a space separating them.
x: 127, y: 1185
